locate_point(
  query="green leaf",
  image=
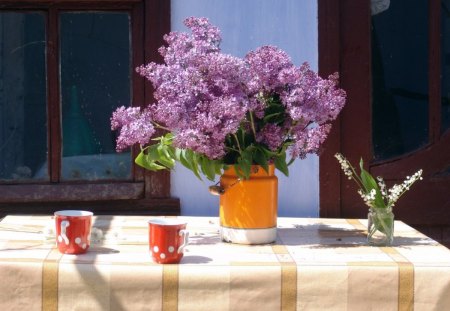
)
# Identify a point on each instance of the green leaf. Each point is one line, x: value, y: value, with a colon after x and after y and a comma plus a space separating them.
x: 184, y: 161
x: 239, y: 171
x: 275, y: 111
x: 176, y: 153
x: 207, y: 167
x: 146, y: 162
x: 246, y: 156
x: 272, y: 117
x: 244, y: 169
x: 153, y: 166
x: 382, y: 222
x: 260, y: 158
x: 164, y: 157
x: 168, y: 138
x: 280, y: 163
x: 218, y: 167
x: 245, y: 162
x: 370, y: 183
x: 152, y: 153
x: 291, y: 161
x: 139, y: 160
x: 191, y: 157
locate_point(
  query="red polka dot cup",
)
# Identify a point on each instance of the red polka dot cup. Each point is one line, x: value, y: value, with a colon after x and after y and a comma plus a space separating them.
x: 167, y: 239
x: 73, y: 230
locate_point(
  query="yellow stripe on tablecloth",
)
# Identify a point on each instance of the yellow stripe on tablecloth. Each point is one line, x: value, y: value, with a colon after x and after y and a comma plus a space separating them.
x: 405, y: 279
x: 288, y: 277
x: 170, y: 288
x: 355, y: 223
x: 50, y: 280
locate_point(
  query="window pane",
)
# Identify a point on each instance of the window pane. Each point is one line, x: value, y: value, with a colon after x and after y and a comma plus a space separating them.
x: 95, y: 80
x: 400, y: 78
x: 445, y: 86
x: 23, y: 130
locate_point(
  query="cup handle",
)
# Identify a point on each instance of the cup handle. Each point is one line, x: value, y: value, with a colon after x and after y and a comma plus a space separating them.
x: 184, y: 233
x: 63, y: 230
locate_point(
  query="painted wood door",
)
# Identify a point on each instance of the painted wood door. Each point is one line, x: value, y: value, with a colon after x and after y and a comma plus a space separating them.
x: 394, y: 62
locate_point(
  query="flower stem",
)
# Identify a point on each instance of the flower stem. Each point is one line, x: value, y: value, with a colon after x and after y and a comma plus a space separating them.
x: 232, y: 149
x: 355, y: 176
x: 252, y: 124
x: 160, y: 126
x: 237, y: 142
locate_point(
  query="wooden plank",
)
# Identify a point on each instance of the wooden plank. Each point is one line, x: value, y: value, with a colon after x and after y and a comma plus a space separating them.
x: 329, y: 62
x: 356, y: 135
x: 71, y: 192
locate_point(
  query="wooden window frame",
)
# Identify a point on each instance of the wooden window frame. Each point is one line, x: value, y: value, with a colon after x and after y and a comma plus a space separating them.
x: 146, y: 192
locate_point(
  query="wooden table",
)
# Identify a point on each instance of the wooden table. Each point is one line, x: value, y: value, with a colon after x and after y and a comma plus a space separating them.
x: 316, y: 264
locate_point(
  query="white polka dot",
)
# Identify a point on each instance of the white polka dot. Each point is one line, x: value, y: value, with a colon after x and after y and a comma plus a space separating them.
x: 84, y: 246
x: 171, y: 249
x: 60, y: 239
x: 155, y: 249
x: 78, y: 241
x: 162, y: 255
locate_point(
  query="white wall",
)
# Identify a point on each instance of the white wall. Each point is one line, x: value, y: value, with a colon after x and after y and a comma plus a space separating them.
x: 247, y: 24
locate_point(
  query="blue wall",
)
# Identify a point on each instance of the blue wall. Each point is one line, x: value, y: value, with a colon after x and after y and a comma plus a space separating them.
x: 247, y: 24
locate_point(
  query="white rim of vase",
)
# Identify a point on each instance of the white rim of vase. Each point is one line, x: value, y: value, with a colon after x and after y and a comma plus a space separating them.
x: 249, y: 236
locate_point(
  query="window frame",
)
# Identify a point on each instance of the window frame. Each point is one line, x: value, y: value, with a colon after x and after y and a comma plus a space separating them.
x: 146, y: 192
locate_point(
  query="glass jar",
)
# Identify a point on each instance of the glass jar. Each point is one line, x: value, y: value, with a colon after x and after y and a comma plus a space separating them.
x: 380, y: 231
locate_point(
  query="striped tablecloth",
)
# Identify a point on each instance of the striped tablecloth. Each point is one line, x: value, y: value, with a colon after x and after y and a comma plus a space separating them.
x: 316, y: 264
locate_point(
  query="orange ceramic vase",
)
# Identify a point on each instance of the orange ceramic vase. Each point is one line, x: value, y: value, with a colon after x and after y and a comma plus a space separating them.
x: 248, y: 208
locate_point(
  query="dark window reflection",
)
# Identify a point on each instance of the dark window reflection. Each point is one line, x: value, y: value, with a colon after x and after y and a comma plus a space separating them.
x: 400, y: 78
x: 23, y: 125
x: 95, y: 79
x: 445, y: 62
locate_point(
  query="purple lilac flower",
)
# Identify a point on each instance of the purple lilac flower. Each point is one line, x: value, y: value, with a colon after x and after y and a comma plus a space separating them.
x: 308, y: 140
x: 135, y: 126
x: 310, y: 102
x: 272, y: 136
x: 265, y: 63
x: 203, y: 96
x: 198, y: 89
x: 310, y: 98
x: 203, y: 32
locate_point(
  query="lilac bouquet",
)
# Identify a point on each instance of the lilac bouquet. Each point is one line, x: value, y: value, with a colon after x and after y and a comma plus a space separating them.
x: 220, y: 110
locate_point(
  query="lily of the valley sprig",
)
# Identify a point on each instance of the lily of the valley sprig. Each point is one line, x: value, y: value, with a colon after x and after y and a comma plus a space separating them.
x: 374, y: 192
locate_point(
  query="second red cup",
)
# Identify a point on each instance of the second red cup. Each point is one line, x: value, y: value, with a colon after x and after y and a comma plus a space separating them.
x: 167, y: 239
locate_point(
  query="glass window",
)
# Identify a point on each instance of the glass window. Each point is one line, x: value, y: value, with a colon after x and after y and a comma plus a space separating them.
x: 23, y: 98
x: 64, y: 68
x: 400, y: 78
x: 95, y: 80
